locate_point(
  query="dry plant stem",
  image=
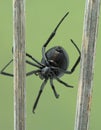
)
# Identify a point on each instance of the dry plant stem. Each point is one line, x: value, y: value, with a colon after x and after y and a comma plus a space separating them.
x: 84, y: 97
x: 19, y: 64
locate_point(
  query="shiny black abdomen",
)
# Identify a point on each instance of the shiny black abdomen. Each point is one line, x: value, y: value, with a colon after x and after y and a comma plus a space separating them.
x: 57, y: 57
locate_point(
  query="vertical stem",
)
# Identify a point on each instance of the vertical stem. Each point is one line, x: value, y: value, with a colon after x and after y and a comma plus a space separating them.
x: 19, y: 63
x: 90, y: 30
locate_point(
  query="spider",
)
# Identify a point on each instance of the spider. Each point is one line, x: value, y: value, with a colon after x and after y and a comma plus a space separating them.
x: 54, y: 64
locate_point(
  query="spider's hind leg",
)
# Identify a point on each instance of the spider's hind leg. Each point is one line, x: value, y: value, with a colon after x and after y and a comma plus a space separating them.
x: 62, y: 82
x: 39, y: 94
x: 53, y: 88
x: 77, y: 61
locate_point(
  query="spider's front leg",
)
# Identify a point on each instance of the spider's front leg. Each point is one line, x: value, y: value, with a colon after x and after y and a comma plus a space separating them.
x: 32, y: 58
x: 51, y: 37
x: 6, y: 73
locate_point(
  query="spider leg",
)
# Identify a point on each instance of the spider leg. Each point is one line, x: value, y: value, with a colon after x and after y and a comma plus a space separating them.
x: 51, y: 36
x: 11, y: 75
x: 5, y: 73
x: 30, y: 63
x: 76, y: 46
x: 62, y: 82
x: 32, y: 72
x: 28, y: 55
x: 53, y: 88
x: 39, y: 94
x: 77, y: 61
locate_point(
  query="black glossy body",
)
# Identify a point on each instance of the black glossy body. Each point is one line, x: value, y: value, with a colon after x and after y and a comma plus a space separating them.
x: 56, y: 57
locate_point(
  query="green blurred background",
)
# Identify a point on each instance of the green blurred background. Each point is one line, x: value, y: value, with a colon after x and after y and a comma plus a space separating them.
x: 41, y: 18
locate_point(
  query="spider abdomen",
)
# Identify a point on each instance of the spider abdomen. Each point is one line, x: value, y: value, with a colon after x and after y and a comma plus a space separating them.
x: 57, y: 57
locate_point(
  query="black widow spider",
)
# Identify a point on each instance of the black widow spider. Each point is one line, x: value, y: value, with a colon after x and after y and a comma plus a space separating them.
x: 53, y: 65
